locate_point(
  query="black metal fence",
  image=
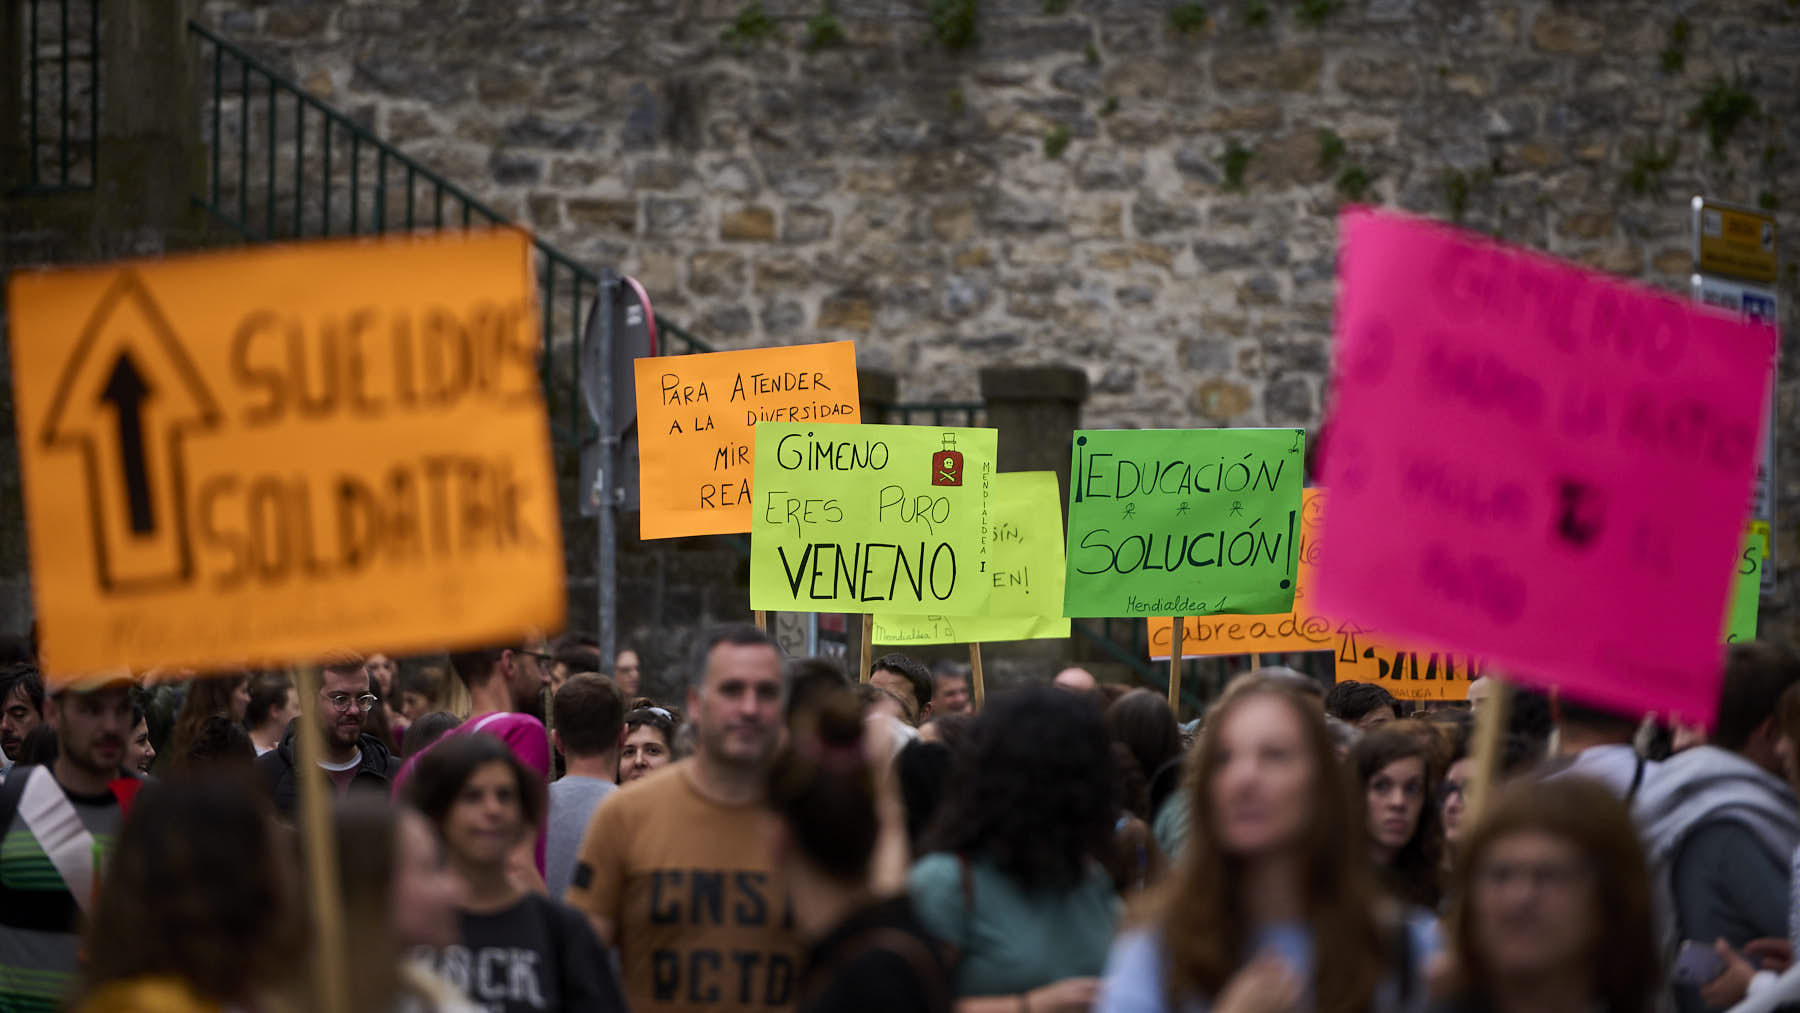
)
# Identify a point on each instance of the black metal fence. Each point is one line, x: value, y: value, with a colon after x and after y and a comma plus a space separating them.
x: 285, y: 165
x: 62, y: 93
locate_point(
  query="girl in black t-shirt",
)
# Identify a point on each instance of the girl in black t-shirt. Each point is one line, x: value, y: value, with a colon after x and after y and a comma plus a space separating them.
x: 520, y: 952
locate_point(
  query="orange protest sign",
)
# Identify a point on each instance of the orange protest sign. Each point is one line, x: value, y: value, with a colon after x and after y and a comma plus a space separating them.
x: 263, y: 455
x: 1299, y: 630
x: 1407, y: 674
x: 697, y: 417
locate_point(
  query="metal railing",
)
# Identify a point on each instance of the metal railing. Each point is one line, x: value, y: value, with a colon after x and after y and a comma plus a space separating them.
x: 62, y: 93
x: 938, y: 413
x: 285, y: 165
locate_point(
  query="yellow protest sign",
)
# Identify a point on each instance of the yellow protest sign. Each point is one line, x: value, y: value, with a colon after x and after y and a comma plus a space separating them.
x: 1026, y: 573
x: 859, y: 518
x: 263, y: 455
x: 697, y: 417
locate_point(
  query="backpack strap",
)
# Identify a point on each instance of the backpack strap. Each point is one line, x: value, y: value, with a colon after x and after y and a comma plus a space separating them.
x: 66, y: 841
x: 968, y: 895
x: 1637, y: 781
x: 1404, y: 961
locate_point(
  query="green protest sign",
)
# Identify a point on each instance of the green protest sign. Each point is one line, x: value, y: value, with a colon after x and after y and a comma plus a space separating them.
x: 1184, y: 522
x: 851, y: 518
x: 1025, y: 573
x: 1746, y: 586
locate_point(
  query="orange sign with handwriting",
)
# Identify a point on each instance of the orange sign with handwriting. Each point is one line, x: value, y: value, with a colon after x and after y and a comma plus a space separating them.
x: 697, y: 417
x: 264, y: 455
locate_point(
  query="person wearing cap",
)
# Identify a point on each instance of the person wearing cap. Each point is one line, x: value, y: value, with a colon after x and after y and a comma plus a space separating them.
x: 59, y: 824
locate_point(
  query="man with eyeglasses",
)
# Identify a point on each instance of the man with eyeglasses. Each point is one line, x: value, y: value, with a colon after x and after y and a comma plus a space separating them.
x: 350, y: 758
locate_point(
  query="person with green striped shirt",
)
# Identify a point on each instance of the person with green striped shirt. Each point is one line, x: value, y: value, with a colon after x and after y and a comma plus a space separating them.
x: 59, y: 824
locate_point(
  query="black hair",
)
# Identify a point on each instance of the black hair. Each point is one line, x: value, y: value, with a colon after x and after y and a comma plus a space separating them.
x: 219, y: 741
x: 577, y: 652
x: 1756, y: 674
x: 1142, y: 722
x: 952, y: 729
x: 811, y: 680
x: 1412, y: 876
x: 23, y: 675
x: 446, y: 767
x: 575, y: 638
x: 472, y: 666
x: 734, y: 634
x: 1032, y: 791
x: 821, y: 787
x: 268, y: 691
x: 915, y: 672
x: 1350, y: 700
x: 16, y: 649
x: 922, y: 770
x: 427, y: 729
x: 39, y: 746
x: 1608, y: 722
x: 589, y: 713
x: 666, y: 720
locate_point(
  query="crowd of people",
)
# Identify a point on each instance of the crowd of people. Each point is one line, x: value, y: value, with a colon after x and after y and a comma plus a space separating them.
x: 519, y: 829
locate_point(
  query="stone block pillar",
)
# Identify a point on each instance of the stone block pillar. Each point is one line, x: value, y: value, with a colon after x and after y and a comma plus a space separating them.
x: 880, y: 391
x: 1037, y: 410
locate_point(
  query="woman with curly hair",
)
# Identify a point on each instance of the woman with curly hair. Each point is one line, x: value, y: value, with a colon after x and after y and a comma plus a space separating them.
x: 1013, y: 878
x: 1393, y: 766
x: 1273, y: 905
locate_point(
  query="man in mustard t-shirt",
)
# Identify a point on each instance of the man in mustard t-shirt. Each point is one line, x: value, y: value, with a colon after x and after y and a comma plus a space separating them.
x: 677, y: 870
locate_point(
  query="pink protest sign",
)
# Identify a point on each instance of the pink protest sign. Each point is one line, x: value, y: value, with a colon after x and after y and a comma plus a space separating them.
x: 1533, y: 463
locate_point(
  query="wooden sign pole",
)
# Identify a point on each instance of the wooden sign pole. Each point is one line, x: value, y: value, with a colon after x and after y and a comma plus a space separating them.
x: 1175, y: 666
x: 1490, y: 737
x: 868, y: 646
x: 762, y: 620
x: 321, y: 849
x: 1255, y: 661
x: 975, y: 675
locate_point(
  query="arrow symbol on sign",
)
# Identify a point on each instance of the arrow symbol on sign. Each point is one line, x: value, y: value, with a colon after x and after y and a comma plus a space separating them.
x: 127, y: 399
x: 127, y: 390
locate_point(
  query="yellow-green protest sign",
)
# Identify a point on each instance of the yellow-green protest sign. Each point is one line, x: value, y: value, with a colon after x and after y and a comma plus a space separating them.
x: 1184, y: 522
x: 858, y: 518
x: 1746, y: 587
x: 697, y: 417
x: 1026, y: 573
